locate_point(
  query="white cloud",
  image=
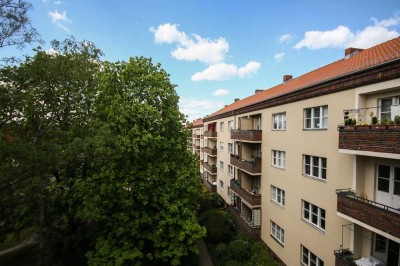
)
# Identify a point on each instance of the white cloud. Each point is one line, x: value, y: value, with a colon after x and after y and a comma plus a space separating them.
x: 342, y: 36
x: 278, y: 57
x: 57, y: 2
x: 285, y: 38
x: 221, y: 92
x: 326, y: 39
x: 223, y: 71
x: 195, y: 108
x: 191, y: 49
x: 60, y: 19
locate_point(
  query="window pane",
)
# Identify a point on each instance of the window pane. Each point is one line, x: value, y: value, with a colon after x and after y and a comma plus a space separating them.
x: 383, y: 185
x: 380, y: 243
x: 384, y: 171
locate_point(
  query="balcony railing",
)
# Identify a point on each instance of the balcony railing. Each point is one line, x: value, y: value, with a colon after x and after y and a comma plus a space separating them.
x: 250, y: 197
x: 210, y: 151
x: 244, y: 225
x: 373, y: 138
x: 246, y: 135
x: 209, y: 168
x: 253, y: 166
x: 210, y: 134
x: 343, y: 257
x: 209, y: 185
x: 374, y: 214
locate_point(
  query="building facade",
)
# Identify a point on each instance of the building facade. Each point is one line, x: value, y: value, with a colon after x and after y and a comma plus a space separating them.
x: 312, y: 166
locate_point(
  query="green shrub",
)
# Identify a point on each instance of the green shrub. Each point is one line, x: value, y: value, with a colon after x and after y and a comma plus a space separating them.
x: 374, y: 120
x: 219, y: 225
x: 397, y: 119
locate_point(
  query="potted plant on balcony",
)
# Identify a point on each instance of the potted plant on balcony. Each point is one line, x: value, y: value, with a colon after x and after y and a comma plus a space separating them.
x: 374, y: 120
x: 397, y: 119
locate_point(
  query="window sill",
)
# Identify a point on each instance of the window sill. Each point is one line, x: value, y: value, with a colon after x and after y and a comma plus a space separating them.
x: 278, y: 204
x: 278, y: 167
x: 315, y: 129
x: 322, y: 231
x: 277, y: 241
x: 315, y: 178
x: 278, y: 129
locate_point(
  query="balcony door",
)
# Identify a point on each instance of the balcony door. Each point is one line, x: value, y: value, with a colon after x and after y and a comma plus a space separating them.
x: 388, y: 186
x: 386, y: 250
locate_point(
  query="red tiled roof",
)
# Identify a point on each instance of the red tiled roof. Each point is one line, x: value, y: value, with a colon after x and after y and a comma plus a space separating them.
x: 382, y: 53
x: 197, y: 122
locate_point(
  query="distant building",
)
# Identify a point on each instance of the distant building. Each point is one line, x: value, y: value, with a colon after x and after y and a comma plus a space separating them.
x: 304, y: 167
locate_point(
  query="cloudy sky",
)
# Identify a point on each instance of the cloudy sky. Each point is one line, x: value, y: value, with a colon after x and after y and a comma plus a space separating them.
x: 218, y: 50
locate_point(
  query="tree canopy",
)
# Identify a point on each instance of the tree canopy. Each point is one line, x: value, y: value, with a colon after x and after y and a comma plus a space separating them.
x: 97, y: 150
x: 15, y: 25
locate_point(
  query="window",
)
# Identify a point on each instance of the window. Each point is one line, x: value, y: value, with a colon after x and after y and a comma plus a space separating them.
x: 389, y: 108
x: 279, y: 121
x: 221, y: 185
x: 230, y: 148
x: 221, y: 165
x: 314, y: 215
x: 258, y: 123
x: 230, y: 170
x: 221, y: 146
x: 230, y: 125
x: 221, y: 126
x: 316, y: 117
x: 278, y: 195
x: 315, y: 166
x: 278, y: 158
x: 308, y: 258
x: 277, y: 233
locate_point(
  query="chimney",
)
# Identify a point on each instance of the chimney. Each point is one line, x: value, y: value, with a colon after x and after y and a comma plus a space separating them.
x: 286, y: 78
x: 236, y: 99
x: 349, y: 52
x: 257, y: 91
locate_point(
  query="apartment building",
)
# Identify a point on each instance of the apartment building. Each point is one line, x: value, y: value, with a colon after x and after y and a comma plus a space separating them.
x: 312, y: 166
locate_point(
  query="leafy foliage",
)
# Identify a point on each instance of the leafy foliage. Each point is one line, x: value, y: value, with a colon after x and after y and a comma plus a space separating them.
x: 219, y: 225
x: 96, y: 151
x: 15, y: 25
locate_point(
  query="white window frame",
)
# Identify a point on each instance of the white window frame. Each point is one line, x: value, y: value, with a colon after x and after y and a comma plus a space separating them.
x: 279, y: 159
x: 314, y: 215
x: 230, y: 170
x: 316, y: 122
x: 221, y: 165
x: 257, y: 123
x: 221, y: 146
x: 278, y: 196
x: 315, y: 167
x: 230, y: 125
x: 278, y: 233
x: 307, y: 258
x: 230, y: 148
x: 221, y: 185
x: 279, y: 121
x: 221, y: 126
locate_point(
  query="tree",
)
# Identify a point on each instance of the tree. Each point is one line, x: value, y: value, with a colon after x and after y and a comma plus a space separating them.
x: 46, y: 105
x: 15, y: 25
x: 144, y: 197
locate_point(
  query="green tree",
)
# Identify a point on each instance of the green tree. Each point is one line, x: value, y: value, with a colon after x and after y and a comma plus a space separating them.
x: 46, y: 105
x: 143, y: 198
x: 15, y: 25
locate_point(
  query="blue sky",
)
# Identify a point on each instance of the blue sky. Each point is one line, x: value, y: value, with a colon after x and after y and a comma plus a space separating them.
x: 218, y: 50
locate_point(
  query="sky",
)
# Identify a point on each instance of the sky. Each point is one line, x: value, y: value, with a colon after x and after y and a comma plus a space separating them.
x: 219, y: 50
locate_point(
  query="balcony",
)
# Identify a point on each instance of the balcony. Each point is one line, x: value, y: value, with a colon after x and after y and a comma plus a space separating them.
x: 196, y: 147
x: 247, y: 135
x: 209, y: 151
x: 363, y: 134
x: 209, y: 168
x: 343, y: 257
x: 252, y: 198
x: 374, y: 214
x: 209, y: 185
x: 253, y: 166
x: 210, y: 134
x: 244, y: 224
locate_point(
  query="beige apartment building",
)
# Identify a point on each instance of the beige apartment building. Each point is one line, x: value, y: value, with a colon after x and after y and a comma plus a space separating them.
x: 312, y: 166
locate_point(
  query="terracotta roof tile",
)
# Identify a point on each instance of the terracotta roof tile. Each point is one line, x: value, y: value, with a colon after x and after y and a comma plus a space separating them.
x: 382, y: 53
x: 197, y: 122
